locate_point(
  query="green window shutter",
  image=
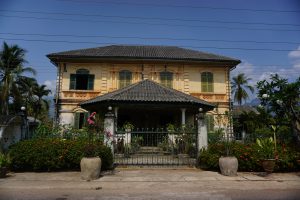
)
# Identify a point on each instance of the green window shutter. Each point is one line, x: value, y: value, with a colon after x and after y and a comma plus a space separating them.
x: 207, y: 82
x: 91, y: 79
x: 125, y: 78
x: 76, y: 120
x: 166, y: 79
x: 72, y: 81
x: 209, y: 122
x: 86, y: 115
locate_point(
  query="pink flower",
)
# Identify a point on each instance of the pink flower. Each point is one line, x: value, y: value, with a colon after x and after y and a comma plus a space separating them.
x: 91, y: 119
x: 108, y: 134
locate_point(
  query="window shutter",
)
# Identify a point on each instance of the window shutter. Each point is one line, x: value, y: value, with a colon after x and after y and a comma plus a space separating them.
x: 76, y: 120
x: 209, y: 122
x: 166, y: 79
x: 72, y: 81
x: 125, y: 78
x: 91, y: 79
x: 207, y: 82
x: 86, y: 115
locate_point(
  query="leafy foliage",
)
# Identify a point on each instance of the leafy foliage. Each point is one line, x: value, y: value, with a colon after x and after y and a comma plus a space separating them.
x: 282, y: 99
x: 248, y: 157
x: 266, y: 148
x: 4, y: 160
x: 51, y: 154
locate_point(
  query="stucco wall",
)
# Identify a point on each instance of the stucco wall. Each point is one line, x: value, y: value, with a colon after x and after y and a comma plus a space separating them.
x: 186, y: 78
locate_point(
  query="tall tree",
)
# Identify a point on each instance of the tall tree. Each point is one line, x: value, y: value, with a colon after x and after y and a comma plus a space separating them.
x: 240, y: 86
x: 283, y: 99
x: 40, y: 91
x: 12, y: 59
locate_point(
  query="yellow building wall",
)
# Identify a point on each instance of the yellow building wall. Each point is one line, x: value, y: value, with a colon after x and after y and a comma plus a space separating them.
x: 186, y: 78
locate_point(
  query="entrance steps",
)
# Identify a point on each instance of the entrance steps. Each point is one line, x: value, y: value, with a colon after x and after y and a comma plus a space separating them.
x: 150, y: 150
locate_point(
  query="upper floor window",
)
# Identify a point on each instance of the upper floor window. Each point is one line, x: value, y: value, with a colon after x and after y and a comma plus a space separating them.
x: 125, y: 78
x: 207, y: 82
x: 82, y: 80
x: 166, y: 79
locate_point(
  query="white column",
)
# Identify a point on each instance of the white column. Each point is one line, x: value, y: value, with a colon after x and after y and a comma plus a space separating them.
x: 116, y: 112
x: 109, y: 129
x: 183, y: 116
x: 202, y: 132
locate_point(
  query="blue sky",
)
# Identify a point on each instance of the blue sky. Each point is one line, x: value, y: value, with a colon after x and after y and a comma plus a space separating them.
x: 265, y: 35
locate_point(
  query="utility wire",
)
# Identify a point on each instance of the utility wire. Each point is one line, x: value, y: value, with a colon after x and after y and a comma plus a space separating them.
x: 196, y: 47
x: 148, y: 38
x: 147, y: 18
x: 182, y: 6
x: 152, y: 24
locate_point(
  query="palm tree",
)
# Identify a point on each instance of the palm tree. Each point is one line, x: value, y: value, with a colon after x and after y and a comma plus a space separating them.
x: 40, y: 91
x: 12, y: 59
x: 239, y: 86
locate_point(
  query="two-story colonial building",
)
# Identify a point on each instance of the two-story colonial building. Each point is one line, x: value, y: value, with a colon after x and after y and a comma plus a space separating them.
x: 147, y: 85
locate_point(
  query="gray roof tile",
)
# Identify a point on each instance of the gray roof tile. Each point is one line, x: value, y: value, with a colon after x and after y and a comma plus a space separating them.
x: 148, y: 91
x: 142, y: 52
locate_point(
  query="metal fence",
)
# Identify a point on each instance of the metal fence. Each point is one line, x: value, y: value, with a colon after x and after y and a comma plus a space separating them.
x: 155, y: 147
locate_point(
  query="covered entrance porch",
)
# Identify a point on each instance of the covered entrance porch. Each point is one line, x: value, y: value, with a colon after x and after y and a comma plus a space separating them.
x: 151, y: 124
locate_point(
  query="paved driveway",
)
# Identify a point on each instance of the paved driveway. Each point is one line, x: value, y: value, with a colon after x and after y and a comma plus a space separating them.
x: 151, y: 184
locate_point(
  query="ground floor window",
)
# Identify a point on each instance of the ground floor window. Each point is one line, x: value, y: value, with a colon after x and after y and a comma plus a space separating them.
x: 80, y: 119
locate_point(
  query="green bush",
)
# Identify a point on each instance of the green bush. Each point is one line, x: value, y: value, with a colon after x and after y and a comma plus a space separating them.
x: 51, y: 154
x: 248, y: 157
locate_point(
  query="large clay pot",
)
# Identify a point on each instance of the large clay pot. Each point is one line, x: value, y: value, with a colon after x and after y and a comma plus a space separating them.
x: 90, y: 168
x: 268, y: 165
x: 228, y: 166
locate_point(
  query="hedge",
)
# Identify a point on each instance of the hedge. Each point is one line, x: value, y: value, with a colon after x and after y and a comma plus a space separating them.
x: 248, y: 157
x: 54, y: 155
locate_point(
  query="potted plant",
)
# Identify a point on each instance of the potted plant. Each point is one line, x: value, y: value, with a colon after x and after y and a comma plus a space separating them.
x: 128, y: 127
x: 90, y: 164
x: 266, y: 150
x: 4, y: 164
x: 228, y: 163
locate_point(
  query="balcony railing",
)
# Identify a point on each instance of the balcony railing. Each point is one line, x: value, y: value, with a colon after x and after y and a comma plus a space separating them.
x: 80, y: 94
x: 211, y: 97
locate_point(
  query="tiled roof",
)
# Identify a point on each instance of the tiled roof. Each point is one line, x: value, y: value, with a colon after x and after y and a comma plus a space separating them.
x: 148, y: 91
x: 238, y: 110
x: 142, y: 52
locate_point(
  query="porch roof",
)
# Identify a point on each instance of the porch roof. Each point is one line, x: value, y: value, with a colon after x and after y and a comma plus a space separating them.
x: 148, y: 91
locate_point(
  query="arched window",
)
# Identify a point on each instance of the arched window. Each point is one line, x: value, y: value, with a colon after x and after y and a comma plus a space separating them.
x: 166, y: 79
x: 207, y: 82
x: 82, y: 80
x: 125, y: 78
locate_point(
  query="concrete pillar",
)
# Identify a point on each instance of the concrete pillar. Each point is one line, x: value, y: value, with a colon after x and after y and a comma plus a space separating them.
x: 183, y: 116
x: 202, y: 132
x: 116, y: 112
x: 243, y: 135
x: 109, y: 129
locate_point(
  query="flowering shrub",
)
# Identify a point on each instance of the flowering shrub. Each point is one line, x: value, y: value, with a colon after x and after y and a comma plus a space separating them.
x: 248, y: 157
x: 55, y: 154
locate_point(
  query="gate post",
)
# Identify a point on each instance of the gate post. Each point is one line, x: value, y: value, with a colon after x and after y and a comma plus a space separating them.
x: 109, y: 129
x: 202, y: 131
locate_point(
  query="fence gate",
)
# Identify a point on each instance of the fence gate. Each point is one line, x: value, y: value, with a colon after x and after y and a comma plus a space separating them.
x: 156, y: 147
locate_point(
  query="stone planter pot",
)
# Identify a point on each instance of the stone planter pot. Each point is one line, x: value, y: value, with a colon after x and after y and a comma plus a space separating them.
x: 228, y: 165
x: 90, y: 168
x: 268, y: 165
x: 3, y: 172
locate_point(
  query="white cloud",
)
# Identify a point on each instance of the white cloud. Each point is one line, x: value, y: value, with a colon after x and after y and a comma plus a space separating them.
x: 295, y: 54
x: 51, y: 85
x: 295, y: 60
